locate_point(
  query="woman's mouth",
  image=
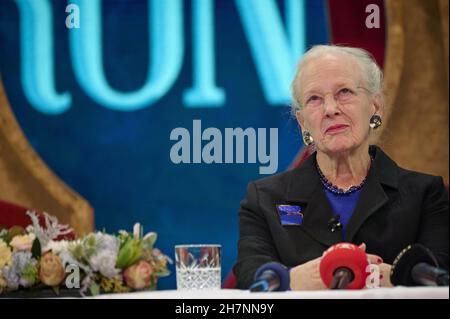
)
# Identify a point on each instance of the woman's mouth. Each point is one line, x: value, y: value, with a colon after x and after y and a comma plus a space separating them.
x: 336, y: 128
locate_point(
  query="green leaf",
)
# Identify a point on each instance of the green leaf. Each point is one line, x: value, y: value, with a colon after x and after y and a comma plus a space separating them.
x: 124, y: 255
x: 152, y: 284
x: 15, y: 231
x: 89, y: 245
x: 162, y: 273
x: 36, y: 250
x: 56, y: 290
x: 95, y: 289
x: 30, y: 273
x: 129, y: 253
x: 4, y: 235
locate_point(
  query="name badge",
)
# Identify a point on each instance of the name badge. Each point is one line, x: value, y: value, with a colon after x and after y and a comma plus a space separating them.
x: 290, y: 214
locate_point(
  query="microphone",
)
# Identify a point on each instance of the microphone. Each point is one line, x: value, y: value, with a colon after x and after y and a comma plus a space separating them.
x: 271, y: 277
x: 343, y: 266
x: 417, y: 266
x: 334, y: 223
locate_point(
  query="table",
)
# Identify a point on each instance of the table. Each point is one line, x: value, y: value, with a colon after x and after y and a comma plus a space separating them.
x: 380, y: 293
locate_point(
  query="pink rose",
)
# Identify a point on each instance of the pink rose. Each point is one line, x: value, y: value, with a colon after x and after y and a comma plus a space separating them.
x: 22, y: 242
x: 138, y: 275
x: 51, y: 271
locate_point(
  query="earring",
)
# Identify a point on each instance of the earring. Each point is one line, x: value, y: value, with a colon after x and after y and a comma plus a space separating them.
x: 307, y: 138
x: 375, y: 121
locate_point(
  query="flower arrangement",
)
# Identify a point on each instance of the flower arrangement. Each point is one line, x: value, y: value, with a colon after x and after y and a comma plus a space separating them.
x: 44, y: 256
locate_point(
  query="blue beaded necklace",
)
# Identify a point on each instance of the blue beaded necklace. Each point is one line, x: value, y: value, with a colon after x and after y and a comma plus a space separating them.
x: 337, y: 190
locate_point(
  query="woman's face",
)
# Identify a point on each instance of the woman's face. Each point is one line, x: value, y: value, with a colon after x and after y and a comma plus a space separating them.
x: 336, y: 105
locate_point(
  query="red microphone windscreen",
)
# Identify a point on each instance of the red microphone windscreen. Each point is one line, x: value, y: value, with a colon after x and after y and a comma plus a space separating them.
x: 345, y: 255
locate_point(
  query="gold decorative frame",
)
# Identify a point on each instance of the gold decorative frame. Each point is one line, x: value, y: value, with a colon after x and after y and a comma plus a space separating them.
x: 416, y: 78
x: 26, y: 180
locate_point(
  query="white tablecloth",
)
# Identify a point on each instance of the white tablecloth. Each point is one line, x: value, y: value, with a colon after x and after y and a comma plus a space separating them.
x: 380, y: 293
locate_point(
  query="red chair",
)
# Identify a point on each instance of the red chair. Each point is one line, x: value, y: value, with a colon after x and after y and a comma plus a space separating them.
x: 303, y: 155
x: 15, y: 215
x: 12, y: 215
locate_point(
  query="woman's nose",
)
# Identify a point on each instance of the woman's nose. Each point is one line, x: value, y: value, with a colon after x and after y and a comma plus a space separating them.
x: 330, y: 105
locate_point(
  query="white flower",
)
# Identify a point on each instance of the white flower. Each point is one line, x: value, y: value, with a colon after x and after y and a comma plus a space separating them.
x: 137, y: 231
x: 107, y: 242
x: 52, y: 229
x: 149, y: 235
x: 123, y: 232
x: 104, y: 258
x: 56, y: 246
x: 105, y: 263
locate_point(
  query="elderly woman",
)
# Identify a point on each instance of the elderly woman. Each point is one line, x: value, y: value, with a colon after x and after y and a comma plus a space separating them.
x: 368, y: 199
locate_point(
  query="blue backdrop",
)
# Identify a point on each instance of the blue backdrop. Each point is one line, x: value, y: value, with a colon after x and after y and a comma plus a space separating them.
x: 116, y: 152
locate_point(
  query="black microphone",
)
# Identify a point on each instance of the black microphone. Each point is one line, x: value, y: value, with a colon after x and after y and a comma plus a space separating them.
x: 342, y: 278
x: 427, y: 275
x: 271, y: 277
x: 334, y: 224
x: 417, y: 266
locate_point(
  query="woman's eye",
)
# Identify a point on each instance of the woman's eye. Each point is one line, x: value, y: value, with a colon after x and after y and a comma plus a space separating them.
x: 344, y: 94
x: 345, y: 91
x: 313, y: 99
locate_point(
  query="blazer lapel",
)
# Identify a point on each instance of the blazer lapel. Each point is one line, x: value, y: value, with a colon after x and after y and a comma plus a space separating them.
x: 373, y: 197
x: 305, y: 188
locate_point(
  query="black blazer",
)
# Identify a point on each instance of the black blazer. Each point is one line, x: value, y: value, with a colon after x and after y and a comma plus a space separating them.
x: 397, y: 207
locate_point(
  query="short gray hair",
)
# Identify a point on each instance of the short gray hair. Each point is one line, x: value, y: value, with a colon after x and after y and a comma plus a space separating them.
x: 371, y: 72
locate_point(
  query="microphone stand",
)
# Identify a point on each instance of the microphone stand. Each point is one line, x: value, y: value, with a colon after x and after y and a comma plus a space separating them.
x: 341, y: 279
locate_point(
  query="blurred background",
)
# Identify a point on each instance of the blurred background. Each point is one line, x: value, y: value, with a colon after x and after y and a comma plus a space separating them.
x: 87, y: 110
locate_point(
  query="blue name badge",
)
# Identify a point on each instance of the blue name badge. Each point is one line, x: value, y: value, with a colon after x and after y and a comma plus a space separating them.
x: 290, y: 214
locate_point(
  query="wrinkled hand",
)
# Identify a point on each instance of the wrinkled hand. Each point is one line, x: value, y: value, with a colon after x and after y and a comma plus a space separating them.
x: 307, y: 276
x: 386, y: 276
x: 384, y: 269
